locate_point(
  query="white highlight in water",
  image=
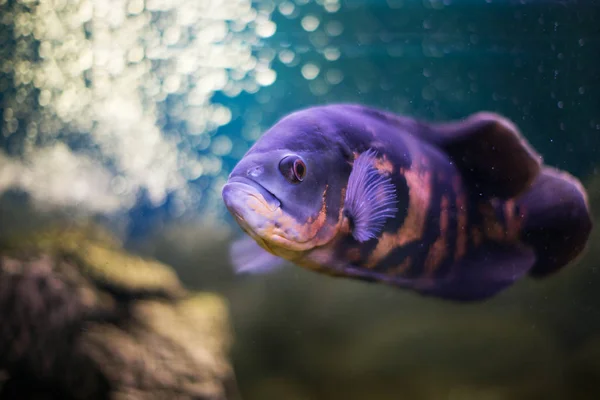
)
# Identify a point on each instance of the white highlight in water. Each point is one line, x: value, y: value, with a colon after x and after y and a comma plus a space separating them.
x: 104, y: 89
x: 310, y: 23
x: 310, y: 71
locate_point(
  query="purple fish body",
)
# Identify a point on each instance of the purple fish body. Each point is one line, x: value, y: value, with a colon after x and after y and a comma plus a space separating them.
x: 458, y: 210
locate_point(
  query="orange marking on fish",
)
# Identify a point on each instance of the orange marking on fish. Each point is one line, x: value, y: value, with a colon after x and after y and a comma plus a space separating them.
x: 314, y: 224
x: 284, y: 230
x: 461, y: 228
x: 439, y: 249
x: 437, y: 252
x: 456, y: 183
x: 492, y: 228
x: 343, y: 222
x: 419, y: 184
x: 383, y: 165
x: 444, y: 215
x: 462, y: 236
x: 353, y: 255
x: 514, y: 221
x: 400, y: 269
x: 317, y: 259
x: 342, y: 201
x: 509, y: 209
x: 320, y: 257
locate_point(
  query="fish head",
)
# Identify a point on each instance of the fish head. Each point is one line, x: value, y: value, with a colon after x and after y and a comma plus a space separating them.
x: 286, y: 192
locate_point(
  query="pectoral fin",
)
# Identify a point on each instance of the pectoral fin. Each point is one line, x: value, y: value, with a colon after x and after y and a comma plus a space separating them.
x: 247, y: 257
x: 370, y: 198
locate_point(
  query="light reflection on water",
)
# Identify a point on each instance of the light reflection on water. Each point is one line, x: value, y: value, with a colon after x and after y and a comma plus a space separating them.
x: 128, y: 85
x: 159, y: 99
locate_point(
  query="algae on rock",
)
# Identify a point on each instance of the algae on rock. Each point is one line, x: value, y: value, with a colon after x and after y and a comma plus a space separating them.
x: 83, y: 319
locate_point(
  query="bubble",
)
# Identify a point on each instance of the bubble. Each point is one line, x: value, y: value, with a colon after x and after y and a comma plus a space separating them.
x: 286, y: 8
x: 310, y: 23
x: 319, y: 39
x: 332, y: 53
x: 318, y: 87
x: 136, y: 54
x: 8, y: 114
x: 172, y: 35
x: 266, y: 77
x: 44, y: 98
x: 232, y: 91
x: 119, y: 185
x: 266, y: 29
x: 334, y: 28
x: 221, y: 145
x: 334, y: 76
x: 251, y: 132
x: 286, y: 56
x: 172, y: 84
x: 310, y: 71
x: 332, y: 6
x: 149, y: 62
x: 251, y: 87
x: 266, y: 55
x: 221, y: 116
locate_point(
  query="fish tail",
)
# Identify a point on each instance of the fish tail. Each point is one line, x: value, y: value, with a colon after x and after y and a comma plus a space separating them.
x: 557, y: 220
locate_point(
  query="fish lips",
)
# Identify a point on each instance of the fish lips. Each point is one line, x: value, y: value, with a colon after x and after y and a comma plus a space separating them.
x: 249, y: 202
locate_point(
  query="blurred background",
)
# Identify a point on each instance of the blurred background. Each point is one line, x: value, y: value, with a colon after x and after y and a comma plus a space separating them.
x: 133, y: 112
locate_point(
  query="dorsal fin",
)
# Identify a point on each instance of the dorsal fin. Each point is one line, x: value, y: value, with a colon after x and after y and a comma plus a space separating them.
x: 491, y: 153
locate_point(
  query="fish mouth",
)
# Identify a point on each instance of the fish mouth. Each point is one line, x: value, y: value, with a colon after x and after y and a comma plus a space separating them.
x: 251, y: 188
x: 249, y: 202
x: 258, y: 212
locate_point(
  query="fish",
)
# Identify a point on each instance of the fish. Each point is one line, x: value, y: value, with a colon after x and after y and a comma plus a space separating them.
x: 458, y: 210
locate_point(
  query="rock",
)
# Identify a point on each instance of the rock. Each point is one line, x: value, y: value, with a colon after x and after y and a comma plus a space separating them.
x: 199, y: 251
x: 83, y: 319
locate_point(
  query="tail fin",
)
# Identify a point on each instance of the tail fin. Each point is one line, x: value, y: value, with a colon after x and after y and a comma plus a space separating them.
x: 558, y: 221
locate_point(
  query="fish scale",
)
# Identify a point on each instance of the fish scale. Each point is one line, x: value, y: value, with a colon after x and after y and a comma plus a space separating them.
x: 459, y: 210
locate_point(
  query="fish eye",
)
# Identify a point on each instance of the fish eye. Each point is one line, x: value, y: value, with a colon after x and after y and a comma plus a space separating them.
x: 293, y: 168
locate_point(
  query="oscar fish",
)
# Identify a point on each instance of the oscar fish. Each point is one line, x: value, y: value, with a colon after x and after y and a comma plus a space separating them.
x: 458, y: 209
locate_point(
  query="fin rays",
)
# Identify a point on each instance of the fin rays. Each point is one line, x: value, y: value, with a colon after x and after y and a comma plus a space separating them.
x: 370, y: 198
